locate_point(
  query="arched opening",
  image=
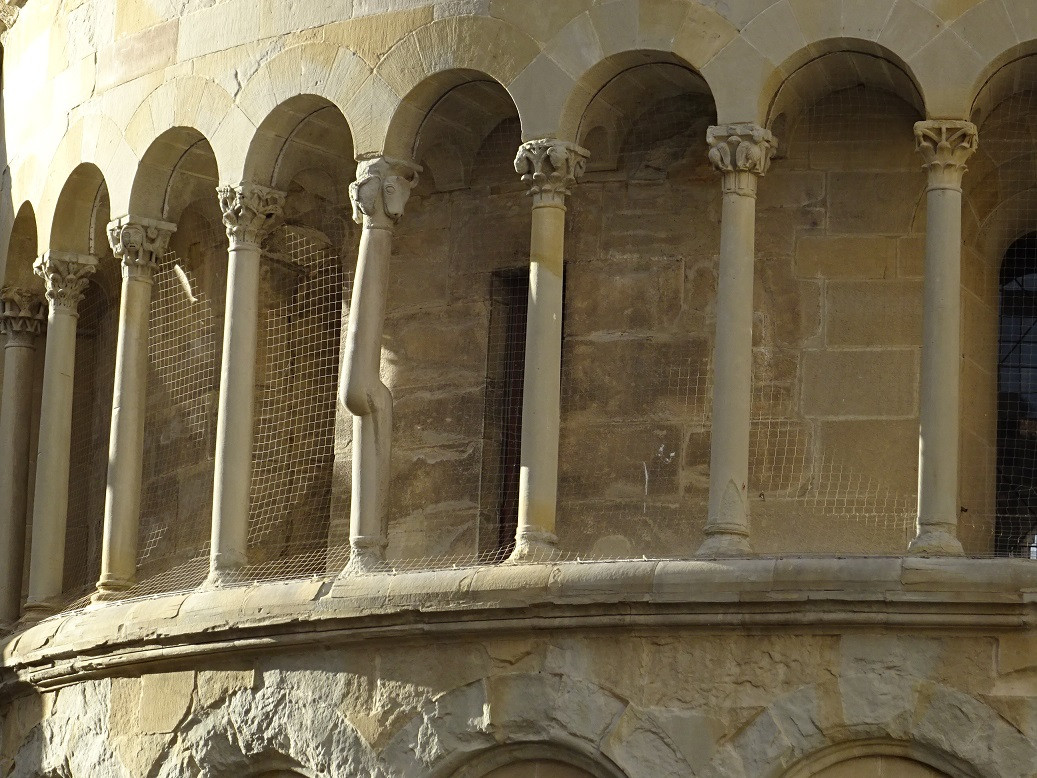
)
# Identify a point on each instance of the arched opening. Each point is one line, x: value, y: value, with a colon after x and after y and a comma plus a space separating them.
x: 455, y: 324
x: 80, y: 225
x: 299, y: 520
x: 838, y: 312
x: 880, y: 758
x: 176, y: 182
x: 641, y: 247
x: 536, y: 760
x: 999, y: 255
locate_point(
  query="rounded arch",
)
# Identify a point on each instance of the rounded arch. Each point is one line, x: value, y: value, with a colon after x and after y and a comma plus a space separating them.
x: 870, y: 752
x: 96, y: 142
x: 834, y: 65
x: 406, y: 84
x: 304, y: 132
x: 178, y: 167
x: 78, y: 221
x: 936, y: 722
x: 22, y: 250
x: 548, y: 759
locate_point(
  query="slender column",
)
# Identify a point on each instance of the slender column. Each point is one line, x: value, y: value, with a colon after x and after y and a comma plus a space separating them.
x: 379, y: 194
x: 66, y: 277
x: 21, y: 317
x: 741, y: 153
x: 249, y: 212
x: 945, y: 146
x: 138, y: 243
x: 551, y: 168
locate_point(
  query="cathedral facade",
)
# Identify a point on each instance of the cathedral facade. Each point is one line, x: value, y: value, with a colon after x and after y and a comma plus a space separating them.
x: 497, y: 388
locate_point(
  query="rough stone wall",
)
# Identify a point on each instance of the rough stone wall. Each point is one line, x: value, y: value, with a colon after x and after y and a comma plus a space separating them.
x: 667, y: 702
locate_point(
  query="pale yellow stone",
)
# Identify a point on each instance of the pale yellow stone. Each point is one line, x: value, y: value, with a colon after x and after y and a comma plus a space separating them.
x: 165, y: 699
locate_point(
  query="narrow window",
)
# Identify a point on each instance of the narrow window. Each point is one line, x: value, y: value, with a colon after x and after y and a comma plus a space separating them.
x: 1017, y: 401
x: 502, y: 423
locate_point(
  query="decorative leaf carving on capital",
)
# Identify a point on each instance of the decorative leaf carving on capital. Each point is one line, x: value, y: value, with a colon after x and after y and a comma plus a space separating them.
x: 945, y: 147
x: 21, y: 314
x: 250, y: 211
x: 65, y: 276
x: 742, y: 152
x: 8, y: 16
x: 139, y: 243
x: 382, y: 188
x: 550, y: 167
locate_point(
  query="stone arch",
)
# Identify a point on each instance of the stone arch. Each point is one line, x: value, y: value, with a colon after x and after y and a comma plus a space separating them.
x: 387, y: 112
x: 177, y: 168
x: 599, y: 44
x: 22, y: 250
x: 94, y: 141
x: 76, y: 222
x: 568, y: 717
x: 932, y: 721
x: 925, y: 762
x: 198, y: 103
x: 279, y: 727
x: 543, y: 759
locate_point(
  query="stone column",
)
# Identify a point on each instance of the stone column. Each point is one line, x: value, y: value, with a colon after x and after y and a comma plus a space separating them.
x: 741, y: 153
x: 66, y: 277
x: 945, y: 146
x: 138, y: 244
x: 379, y: 195
x: 21, y: 317
x: 249, y: 212
x: 551, y: 168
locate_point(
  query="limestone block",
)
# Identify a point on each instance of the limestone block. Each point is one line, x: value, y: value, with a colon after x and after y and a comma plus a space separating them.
x: 216, y: 685
x: 279, y: 17
x: 164, y: 701
x: 786, y: 188
x: 638, y: 739
x: 543, y: 25
x: 844, y: 256
x: 137, y: 55
x: 702, y: 34
x: 427, y: 419
x: 873, y: 313
x: 911, y: 256
x: 623, y: 296
x: 881, y: 382
x: 884, y: 451
x: 882, y: 203
x: 422, y: 345
x: 947, y: 64
x: 576, y: 48
x: 540, y: 91
x: 776, y: 32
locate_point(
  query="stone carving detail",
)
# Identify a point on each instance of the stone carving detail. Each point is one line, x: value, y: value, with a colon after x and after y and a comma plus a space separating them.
x: 65, y: 276
x: 381, y: 190
x: 742, y: 152
x: 946, y: 146
x: 139, y: 244
x: 550, y: 167
x: 250, y: 211
x: 21, y: 315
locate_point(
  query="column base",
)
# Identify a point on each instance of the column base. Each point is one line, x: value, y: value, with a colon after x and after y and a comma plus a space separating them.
x: 110, y: 590
x: 366, y: 555
x: 36, y: 611
x: 534, y: 547
x: 720, y: 545
x: 222, y: 577
x: 935, y: 542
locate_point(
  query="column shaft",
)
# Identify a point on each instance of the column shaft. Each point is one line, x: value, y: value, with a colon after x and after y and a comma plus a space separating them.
x: 66, y: 277
x: 379, y: 196
x: 249, y: 212
x: 742, y: 154
x: 541, y: 390
x: 945, y: 146
x: 15, y: 420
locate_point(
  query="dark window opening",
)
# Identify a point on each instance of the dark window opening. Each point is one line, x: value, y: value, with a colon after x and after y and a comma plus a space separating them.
x: 1017, y: 401
x: 502, y: 424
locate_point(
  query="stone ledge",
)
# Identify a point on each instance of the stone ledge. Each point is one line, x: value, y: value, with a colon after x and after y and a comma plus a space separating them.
x: 767, y: 594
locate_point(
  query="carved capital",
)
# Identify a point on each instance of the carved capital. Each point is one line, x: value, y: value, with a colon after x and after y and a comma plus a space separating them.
x: 381, y: 190
x: 139, y: 243
x: 8, y: 16
x: 65, y: 276
x: 21, y: 315
x: 250, y: 211
x: 550, y: 167
x: 742, y: 153
x: 945, y: 147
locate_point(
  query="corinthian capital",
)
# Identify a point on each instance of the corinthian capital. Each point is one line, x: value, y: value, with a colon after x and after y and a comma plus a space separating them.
x: 945, y: 147
x: 742, y: 153
x: 8, y: 16
x: 550, y: 167
x: 65, y: 276
x: 21, y: 315
x: 249, y: 211
x: 139, y: 243
x: 381, y: 190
